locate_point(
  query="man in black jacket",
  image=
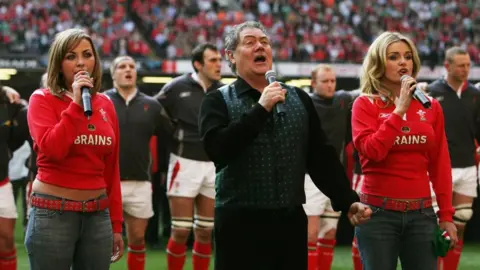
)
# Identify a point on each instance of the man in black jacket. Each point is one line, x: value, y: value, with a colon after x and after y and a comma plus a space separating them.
x: 261, y: 159
x: 140, y: 117
x: 13, y: 133
x: 191, y: 174
x: 333, y: 109
x: 460, y: 102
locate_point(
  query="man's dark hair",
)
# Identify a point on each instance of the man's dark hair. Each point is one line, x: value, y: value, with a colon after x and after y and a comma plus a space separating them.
x: 199, y: 50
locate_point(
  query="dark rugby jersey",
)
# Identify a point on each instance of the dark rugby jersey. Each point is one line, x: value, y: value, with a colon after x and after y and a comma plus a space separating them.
x: 13, y: 133
x: 139, y: 119
x: 462, y: 120
x: 334, y: 115
x: 181, y: 99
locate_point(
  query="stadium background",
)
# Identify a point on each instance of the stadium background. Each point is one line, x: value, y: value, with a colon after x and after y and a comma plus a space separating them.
x: 160, y: 33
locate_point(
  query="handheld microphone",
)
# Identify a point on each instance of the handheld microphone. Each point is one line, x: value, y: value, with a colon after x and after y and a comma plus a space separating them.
x: 279, y: 108
x: 419, y: 95
x: 87, y: 101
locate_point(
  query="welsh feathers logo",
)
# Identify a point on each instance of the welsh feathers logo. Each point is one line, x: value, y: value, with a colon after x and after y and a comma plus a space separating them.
x: 104, y: 114
x: 421, y: 113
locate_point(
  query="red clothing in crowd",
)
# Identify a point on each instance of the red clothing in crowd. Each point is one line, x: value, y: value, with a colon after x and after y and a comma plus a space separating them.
x: 74, y: 152
x: 400, y: 156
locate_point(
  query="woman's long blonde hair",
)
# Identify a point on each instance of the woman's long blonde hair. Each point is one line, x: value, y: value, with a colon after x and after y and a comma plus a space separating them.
x: 63, y: 43
x: 373, y: 67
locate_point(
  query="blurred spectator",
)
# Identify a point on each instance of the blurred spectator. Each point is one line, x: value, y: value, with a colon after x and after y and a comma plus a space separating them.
x: 28, y: 26
x: 301, y: 30
x: 312, y: 30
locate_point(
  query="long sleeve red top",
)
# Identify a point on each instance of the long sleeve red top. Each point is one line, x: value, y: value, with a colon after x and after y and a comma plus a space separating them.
x: 74, y: 152
x: 400, y: 156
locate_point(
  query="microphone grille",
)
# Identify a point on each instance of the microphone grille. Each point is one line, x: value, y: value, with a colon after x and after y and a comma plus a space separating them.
x: 270, y: 73
x: 404, y: 77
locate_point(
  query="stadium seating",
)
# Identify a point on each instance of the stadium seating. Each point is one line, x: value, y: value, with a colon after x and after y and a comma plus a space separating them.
x: 301, y: 30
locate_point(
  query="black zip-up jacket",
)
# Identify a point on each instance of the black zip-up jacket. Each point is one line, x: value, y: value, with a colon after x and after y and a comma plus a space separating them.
x: 357, y: 169
x: 13, y: 131
x: 22, y: 133
x: 139, y: 119
x: 182, y: 98
x: 334, y: 115
x: 462, y: 120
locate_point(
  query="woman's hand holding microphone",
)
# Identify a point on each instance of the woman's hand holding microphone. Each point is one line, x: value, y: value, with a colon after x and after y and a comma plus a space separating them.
x: 405, y: 97
x: 81, y: 79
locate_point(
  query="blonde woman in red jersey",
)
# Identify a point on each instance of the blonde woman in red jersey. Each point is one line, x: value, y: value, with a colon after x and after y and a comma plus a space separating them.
x: 76, y: 215
x: 402, y: 146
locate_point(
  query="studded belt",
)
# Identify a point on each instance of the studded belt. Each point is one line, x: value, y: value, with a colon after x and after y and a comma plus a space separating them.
x: 395, y: 204
x: 94, y: 205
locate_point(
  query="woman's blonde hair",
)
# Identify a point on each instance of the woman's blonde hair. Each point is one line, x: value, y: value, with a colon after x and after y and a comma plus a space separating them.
x: 373, y: 67
x: 64, y: 42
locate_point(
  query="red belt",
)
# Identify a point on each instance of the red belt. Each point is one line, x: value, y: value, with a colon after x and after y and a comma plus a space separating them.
x: 394, y: 204
x: 72, y: 206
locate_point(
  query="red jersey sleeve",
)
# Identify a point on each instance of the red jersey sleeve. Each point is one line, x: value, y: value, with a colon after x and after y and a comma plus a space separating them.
x: 439, y: 170
x: 112, y: 176
x: 52, y: 137
x: 370, y: 140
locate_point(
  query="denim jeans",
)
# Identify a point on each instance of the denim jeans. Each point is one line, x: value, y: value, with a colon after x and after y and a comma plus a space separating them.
x: 61, y: 240
x: 389, y: 235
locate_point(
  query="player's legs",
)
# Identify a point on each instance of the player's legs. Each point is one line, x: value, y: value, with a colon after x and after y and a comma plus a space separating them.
x: 8, y: 216
x: 463, y: 212
x: 327, y: 237
x: 137, y: 206
x: 314, y: 206
x: 312, y: 236
x: 185, y: 182
x: 203, y: 227
x: 204, y: 216
x: 136, y: 241
x: 464, y: 191
x: 181, y: 209
x: 357, y: 182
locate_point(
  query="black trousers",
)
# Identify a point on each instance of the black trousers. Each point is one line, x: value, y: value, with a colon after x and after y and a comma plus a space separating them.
x: 161, y: 212
x: 260, y: 239
x: 19, y: 187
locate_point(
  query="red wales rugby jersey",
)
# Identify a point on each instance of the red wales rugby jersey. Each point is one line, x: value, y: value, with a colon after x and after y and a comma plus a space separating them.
x: 75, y: 152
x: 400, y: 156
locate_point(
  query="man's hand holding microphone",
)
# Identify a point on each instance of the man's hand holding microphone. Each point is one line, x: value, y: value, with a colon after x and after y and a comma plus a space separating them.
x: 271, y: 95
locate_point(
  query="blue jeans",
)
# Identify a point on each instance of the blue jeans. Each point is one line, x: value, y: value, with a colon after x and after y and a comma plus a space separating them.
x: 60, y: 240
x: 389, y: 235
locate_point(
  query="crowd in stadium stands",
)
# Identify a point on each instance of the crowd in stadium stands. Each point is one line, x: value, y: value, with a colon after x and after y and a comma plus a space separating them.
x: 28, y: 26
x: 302, y: 30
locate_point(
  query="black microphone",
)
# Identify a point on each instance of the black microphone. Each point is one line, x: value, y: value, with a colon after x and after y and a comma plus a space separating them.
x: 419, y: 95
x: 279, y: 108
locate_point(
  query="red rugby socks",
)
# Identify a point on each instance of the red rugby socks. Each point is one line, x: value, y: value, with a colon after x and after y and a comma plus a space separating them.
x: 175, y: 255
x: 136, y: 257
